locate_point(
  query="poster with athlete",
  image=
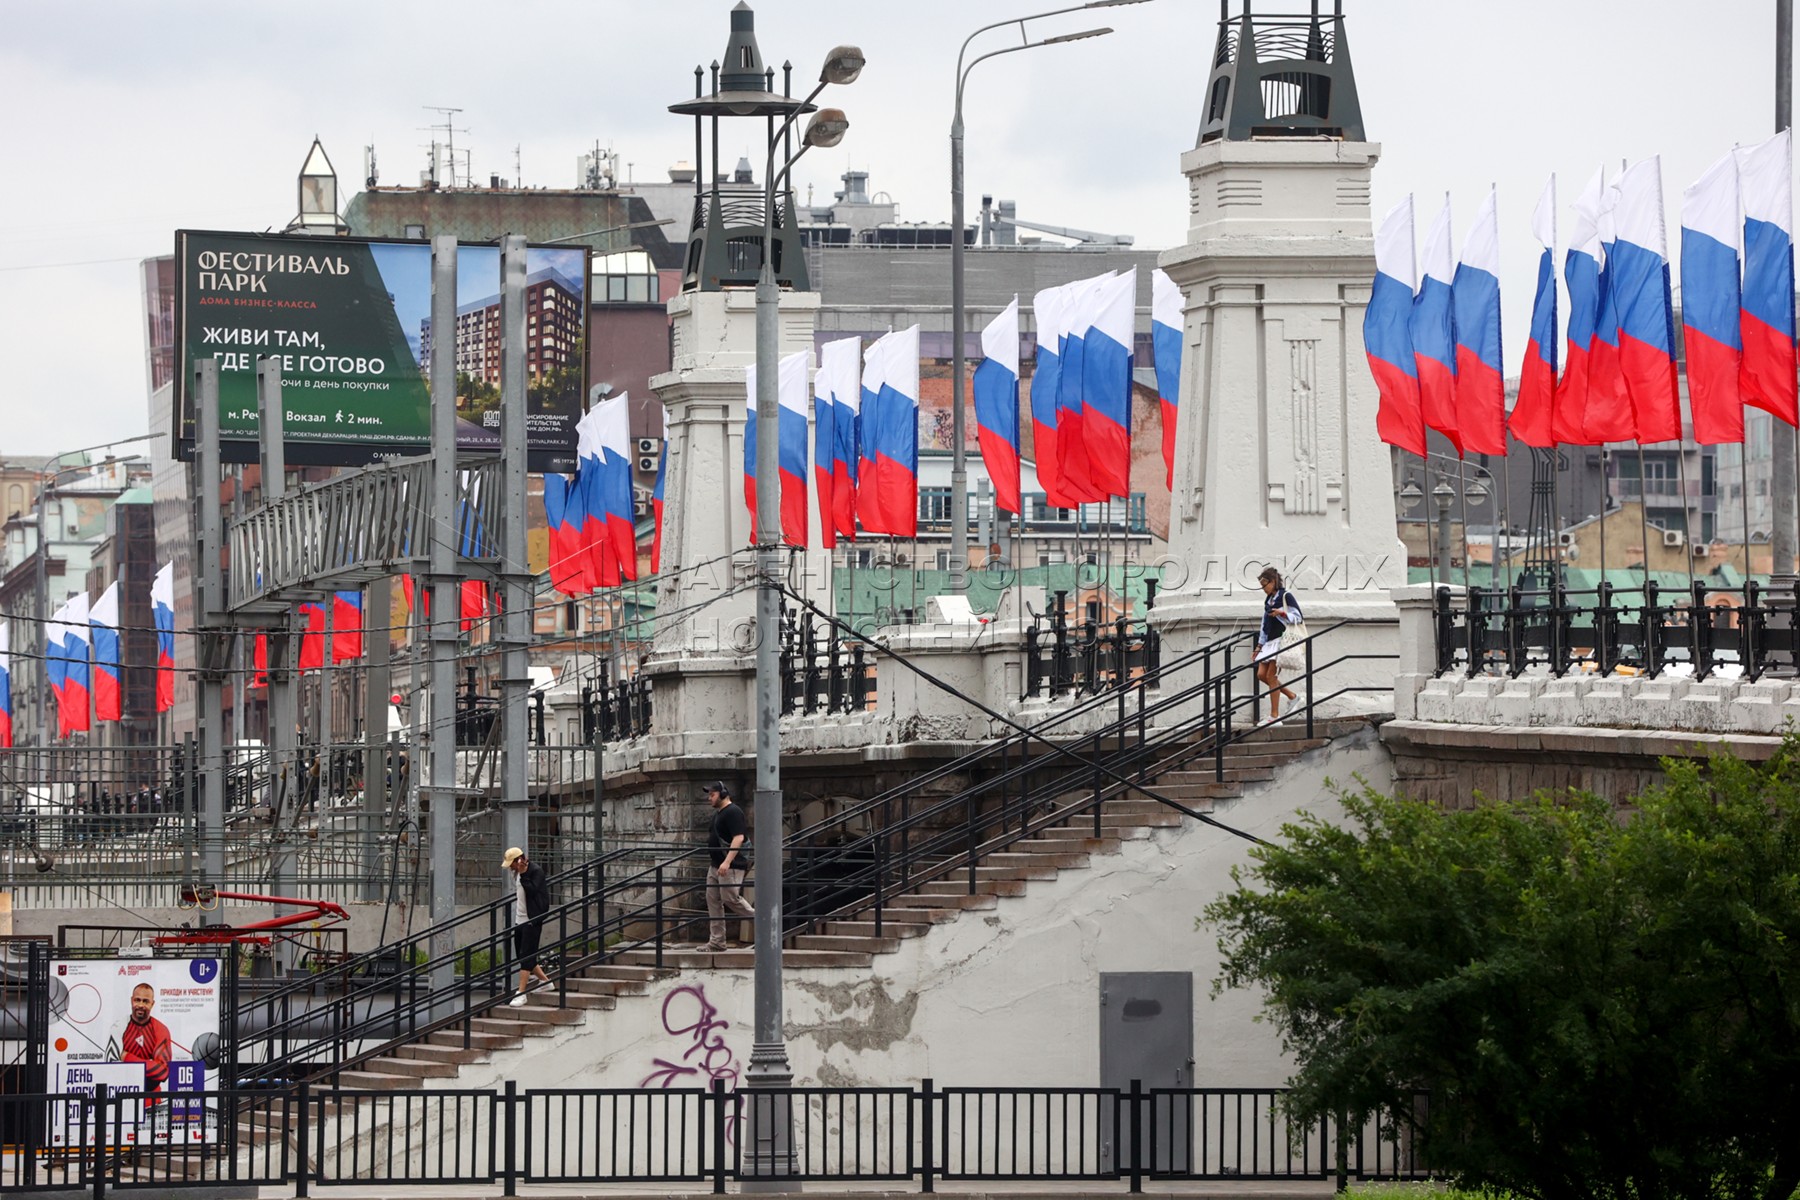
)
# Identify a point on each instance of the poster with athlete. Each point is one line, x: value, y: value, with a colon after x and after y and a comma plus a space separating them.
x: 144, y: 1027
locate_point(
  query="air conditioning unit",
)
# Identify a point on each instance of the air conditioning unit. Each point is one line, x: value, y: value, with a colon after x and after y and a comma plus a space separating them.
x: 640, y: 507
x: 1565, y: 539
x: 648, y: 462
x: 1702, y: 551
x: 1674, y: 537
x: 647, y: 446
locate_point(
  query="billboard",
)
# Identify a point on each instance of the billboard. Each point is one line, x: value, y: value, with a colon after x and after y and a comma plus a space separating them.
x: 349, y: 321
x: 145, y: 1027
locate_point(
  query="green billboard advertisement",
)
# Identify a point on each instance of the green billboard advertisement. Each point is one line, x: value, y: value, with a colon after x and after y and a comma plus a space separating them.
x: 349, y: 324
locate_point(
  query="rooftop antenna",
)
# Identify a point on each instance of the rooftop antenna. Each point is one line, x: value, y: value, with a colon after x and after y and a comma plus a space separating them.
x: 450, y: 132
x: 369, y: 172
x: 518, y: 169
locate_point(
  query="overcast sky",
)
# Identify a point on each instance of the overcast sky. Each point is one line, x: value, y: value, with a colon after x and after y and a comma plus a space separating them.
x: 128, y: 120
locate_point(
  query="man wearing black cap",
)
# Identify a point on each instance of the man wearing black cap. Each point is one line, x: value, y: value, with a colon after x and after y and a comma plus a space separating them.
x: 725, y: 882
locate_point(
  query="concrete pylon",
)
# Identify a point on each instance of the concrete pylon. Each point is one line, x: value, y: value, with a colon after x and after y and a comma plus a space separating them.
x: 703, y: 664
x: 1276, y: 457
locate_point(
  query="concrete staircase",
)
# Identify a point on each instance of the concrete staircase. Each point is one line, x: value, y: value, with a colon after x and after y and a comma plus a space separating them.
x: 853, y: 941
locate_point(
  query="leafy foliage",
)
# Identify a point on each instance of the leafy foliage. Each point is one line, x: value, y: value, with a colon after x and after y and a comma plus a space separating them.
x: 1600, y: 1004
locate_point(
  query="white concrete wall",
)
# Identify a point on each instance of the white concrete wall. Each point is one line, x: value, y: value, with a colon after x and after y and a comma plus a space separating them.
x: 1003, y: 997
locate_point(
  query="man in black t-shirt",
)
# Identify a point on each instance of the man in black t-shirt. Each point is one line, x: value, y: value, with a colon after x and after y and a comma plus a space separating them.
x: 725, y: 881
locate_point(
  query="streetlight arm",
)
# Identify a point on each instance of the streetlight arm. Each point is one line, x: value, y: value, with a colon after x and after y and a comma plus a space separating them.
x: 1020, y: 22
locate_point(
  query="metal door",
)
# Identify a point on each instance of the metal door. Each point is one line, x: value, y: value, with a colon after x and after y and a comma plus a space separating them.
x: 1147, y: 1034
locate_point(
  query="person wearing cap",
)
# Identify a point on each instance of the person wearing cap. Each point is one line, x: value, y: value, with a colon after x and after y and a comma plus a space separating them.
x: 725, y: 882
x: 531, y: 900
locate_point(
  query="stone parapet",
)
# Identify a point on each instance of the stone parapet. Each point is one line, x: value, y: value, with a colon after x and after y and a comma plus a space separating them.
x: 1676, y: 703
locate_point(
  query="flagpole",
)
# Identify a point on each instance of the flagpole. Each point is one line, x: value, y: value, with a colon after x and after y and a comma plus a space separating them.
x: 1686, y: 525
x: 1644, y: 511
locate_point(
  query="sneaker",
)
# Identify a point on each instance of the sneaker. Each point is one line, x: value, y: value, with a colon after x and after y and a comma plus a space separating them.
x: 715, y: 948
x: 518, y: 1001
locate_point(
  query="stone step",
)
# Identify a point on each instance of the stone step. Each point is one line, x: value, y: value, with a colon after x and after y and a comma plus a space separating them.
x: 692, y: 959
x: 542, y: 1010
x: 851, y: 943
x: 413, y: 1068
x: 960, y: 887
x: 628, y: 972
x: 609, y: 987
x: 376, y: 1081
x: 453, y: 1039
x: 1065, y: 860
x: 961, y: 900
x: 1074, y: 839
x: 1167, y: 819
x: 574, y: 998
x: 511, y: 1025
x: 890, y: 928
x: 453, y: 1055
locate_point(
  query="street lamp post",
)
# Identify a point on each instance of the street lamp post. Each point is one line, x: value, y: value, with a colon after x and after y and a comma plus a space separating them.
x: 769, y: 1067
x: 959, y: 474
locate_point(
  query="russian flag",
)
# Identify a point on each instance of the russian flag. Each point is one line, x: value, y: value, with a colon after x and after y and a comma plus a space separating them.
x: 1166, y: 323
x: 1433, y: 328
x: 1387, y: 338
x: 750, y: 446
x: 824, y: 440
x: 1533, y: 419
x: 997, y: 405
x: 103, y: 626
x: 1480, y: 370
x: 656, y: 507
x: 1608, y: 416
x: 473, y: 603
x: 583, y: 516
x: 1106, y: 383
x: 1581, y: 273
x: 1766, y: 174
x: 259, y: 678
x: 568, y: 555
x: 1073, y: 470
x: 6, y: 707
x: 1711, y: 299
x: 346, y: 626
x: 312, y: 640
x: 1048, y: 309
x: 611, y: 502
x: 56, y: 656
x: 162, y: 613
x: 840, y: 364
x: 1640, y: 282
x: 887, y: 495
x: 790, y: 396
x: 72, y: 714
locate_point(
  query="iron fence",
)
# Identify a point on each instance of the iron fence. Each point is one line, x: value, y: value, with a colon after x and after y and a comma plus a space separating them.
x: 822, y: 671
x: 308, y: 1137
x: 1088, y: 656
x: 1605, y: 629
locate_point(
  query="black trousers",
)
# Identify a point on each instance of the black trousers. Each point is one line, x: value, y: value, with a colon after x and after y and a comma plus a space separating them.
x: 525, y: 942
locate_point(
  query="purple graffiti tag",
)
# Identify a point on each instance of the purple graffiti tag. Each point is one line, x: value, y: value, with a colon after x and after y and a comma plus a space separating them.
x: 705, y: 1035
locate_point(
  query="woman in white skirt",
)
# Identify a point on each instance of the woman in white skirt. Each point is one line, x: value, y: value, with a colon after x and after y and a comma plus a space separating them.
x: 1280, y: 610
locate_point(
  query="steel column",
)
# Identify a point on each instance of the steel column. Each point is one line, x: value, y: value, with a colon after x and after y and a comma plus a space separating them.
x: 378, y: 602
x: 442, y: 622
x: 516, y: 578
x: 284, y: 714
x: 212, y: 649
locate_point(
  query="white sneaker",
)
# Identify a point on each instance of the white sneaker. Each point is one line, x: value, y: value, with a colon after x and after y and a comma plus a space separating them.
x: 518, y: 1001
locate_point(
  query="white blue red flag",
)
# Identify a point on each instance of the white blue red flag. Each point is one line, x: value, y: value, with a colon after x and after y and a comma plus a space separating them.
x: 1640, y: 282
x: 790, y: 446
x: 656, y: 508
x: 824, y: 441
x: 1711, y: 298
x: 103, y: 627
x: 887, y: 495
x: 612, y: 522
x: 564, y: 521
x: 73, y: 704
x: 162, y: 614
x: 1480, y: 369
x: 6, y: 704
x: 346, y: 626
x: 1048, y: 312
x: 840, y: 370
x: 1609, y: 416
x: 1581, y: 275
x: 1166, y: 322
x: 1433, y: 328
x: 1073, y: 469
x: 1766, y: 175
x: 997, y: 405
x: 1533, y: 419
x: 1387, y: 337
x: 1107, y: 353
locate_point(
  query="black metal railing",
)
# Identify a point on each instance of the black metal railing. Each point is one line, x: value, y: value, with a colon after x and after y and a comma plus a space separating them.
x: 615, y: 710
x: 822, y: 671
x: 1085, y: 657
x: 862, y: 860
x: 307, y: 1137
x: 1606, y: 629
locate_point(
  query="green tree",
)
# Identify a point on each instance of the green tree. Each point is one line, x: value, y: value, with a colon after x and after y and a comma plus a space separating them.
x: 1598, y: 1004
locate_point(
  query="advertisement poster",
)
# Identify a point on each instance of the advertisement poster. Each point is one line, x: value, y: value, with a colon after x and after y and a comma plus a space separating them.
x: 349, y: 322
x: 144, y: 1027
